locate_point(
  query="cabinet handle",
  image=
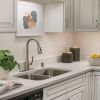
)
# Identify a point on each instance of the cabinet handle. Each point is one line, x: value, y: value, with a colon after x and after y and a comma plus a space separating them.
x: 66, y: 21
x: 68, y: 98
x: 97, y: 23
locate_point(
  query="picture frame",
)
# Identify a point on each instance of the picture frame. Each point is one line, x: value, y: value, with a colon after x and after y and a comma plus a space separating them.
x: 29, y: 21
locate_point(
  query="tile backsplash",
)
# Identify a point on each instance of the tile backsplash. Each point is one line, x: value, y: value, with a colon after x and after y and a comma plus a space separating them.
x: 53, y: 44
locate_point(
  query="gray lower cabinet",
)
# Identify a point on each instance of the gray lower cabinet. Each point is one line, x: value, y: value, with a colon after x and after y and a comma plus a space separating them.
x: 96, y: 78
x: 89, y: 86
x: 72, y: 89
x: 81, y: 87
x: 8, y: 15
x: 77, y: 94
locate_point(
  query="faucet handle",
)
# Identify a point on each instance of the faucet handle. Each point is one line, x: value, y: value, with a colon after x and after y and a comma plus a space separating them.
x: 42, y: 64
x: 20, y: 68
x: 32, y: 61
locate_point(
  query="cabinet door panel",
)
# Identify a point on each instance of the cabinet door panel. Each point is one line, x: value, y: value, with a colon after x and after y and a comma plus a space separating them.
x: 89, y: 86
x: 77, y: 94
x: 97, y: 87
x: 8, y: 15
x: 54, y: 17
x: 4, y: 11
x: 85, y: 15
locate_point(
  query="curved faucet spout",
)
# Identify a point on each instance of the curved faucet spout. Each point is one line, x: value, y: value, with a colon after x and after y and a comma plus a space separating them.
x: 39, y: 50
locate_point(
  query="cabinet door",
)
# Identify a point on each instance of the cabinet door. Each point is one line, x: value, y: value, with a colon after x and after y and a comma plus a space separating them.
x: 96, y: 86
x: 63, y: 87
x: 54, y: 21
x: 89, y: 86
x: 77, y: 94
x: 68, y: 14
x: 8, y: 15
x: 85, y: 15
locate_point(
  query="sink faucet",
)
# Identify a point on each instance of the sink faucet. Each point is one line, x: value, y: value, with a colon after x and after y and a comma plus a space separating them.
x: 39, y: 50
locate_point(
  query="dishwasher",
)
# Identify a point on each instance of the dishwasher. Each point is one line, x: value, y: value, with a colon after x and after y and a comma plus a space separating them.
x: 34, y: 95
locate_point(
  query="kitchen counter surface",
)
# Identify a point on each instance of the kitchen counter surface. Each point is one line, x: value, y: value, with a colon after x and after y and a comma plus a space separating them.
x: 76, y: 68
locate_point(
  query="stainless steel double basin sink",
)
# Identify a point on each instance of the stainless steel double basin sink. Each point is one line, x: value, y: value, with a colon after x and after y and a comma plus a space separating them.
x: 42, y: 74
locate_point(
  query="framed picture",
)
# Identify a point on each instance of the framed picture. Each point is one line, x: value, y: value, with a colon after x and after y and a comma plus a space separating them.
x: 29, y: 22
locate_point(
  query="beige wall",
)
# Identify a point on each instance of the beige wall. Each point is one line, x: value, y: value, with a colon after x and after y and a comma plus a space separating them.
x: 53, y: 44
x: 89, y: 42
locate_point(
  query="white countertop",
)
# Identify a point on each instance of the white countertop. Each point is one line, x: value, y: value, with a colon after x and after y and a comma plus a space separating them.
x: 31, y: 85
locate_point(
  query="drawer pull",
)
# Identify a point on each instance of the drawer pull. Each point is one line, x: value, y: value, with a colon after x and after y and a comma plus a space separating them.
x: 68, y: 98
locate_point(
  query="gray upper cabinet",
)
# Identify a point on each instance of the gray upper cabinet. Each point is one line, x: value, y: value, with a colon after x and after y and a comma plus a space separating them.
x: 54, y: 17
x: 68, y: 15
x: 8, y: 15
x: 81, y: 15
x: 85, y: 15
x: 58, y: 15
x: 72, y: 16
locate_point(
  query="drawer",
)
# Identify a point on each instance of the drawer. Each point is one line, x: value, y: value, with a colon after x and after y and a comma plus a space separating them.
x: 63, y: 87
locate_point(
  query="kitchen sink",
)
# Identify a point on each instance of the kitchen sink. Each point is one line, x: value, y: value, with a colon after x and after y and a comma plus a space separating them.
x: 44, y: 73
x: 51, y: 72
x: 34, y: 77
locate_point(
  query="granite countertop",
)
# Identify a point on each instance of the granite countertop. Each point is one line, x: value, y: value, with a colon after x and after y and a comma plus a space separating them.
x: 31, y: 85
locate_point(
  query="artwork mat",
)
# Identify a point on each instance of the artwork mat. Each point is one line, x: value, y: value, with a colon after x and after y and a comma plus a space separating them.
x: 23, y: 7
